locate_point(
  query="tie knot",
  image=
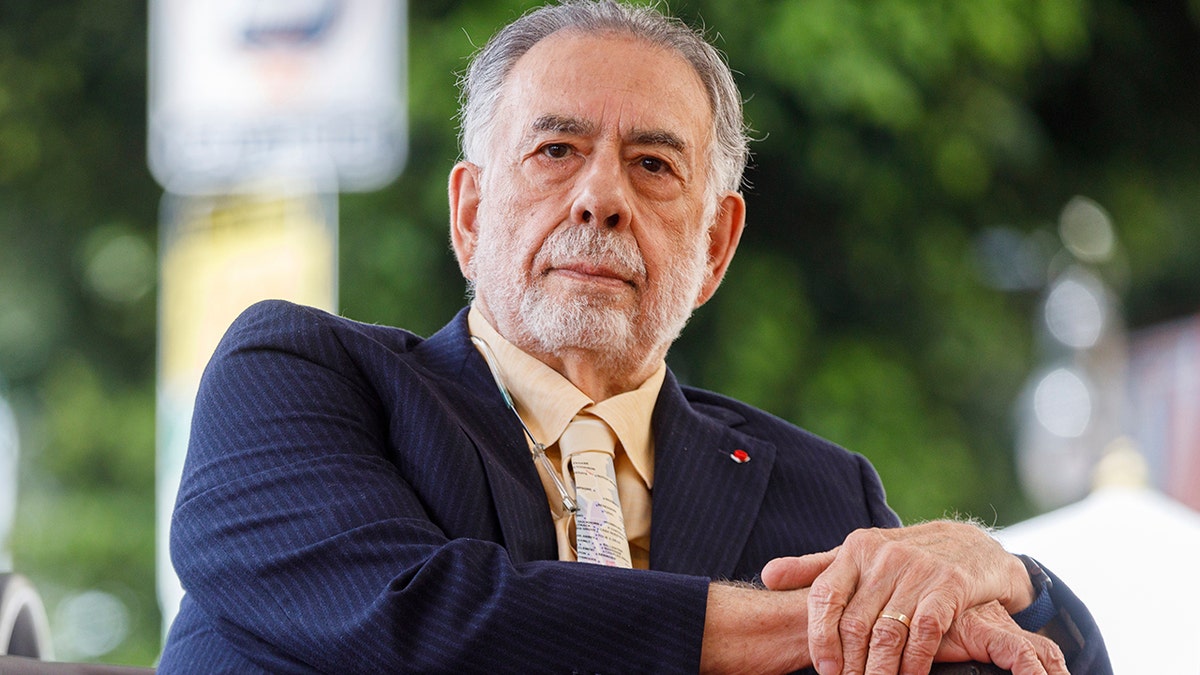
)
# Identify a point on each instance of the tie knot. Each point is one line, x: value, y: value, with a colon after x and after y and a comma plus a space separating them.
x: 586, y: 434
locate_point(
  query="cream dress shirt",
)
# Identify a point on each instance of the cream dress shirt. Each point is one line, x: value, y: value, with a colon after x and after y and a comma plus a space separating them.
x: 547, y: 402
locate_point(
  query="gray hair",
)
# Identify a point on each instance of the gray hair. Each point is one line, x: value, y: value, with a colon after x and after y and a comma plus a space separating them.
x: 489, y: 69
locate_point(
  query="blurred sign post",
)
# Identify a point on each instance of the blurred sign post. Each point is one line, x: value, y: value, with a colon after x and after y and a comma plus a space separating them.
x: 9, y: 471
x: 247, y: 90
x: 260, y: 113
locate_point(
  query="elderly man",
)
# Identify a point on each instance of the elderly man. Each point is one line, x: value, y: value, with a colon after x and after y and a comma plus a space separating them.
x: 530, y: 490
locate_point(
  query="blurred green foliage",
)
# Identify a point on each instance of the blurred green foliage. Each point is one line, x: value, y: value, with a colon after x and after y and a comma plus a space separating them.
x: 893, y: 133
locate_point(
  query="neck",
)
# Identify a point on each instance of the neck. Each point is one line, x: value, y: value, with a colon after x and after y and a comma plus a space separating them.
x: 600, y: 376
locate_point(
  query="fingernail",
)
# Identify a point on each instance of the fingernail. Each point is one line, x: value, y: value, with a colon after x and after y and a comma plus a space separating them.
x: 828, y: 668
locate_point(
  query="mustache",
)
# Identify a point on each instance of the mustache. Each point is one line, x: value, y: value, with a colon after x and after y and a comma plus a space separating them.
x: 595, y: 245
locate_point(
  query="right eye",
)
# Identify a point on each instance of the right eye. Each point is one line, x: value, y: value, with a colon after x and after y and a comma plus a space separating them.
x: 556, y: 150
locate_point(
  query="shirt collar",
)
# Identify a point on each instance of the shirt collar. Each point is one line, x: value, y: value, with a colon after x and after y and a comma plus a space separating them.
x: 547, y: 401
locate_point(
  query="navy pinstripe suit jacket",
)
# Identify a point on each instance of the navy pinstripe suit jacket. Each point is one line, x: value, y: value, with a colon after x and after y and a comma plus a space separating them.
x: 358, y: 499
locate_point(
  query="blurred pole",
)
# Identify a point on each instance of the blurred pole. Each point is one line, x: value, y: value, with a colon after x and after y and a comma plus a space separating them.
x: 260, y: 113
x: 219, y: 256
x: 9, y: 469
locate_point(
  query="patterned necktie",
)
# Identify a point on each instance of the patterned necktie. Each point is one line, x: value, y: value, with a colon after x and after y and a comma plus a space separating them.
x: 587, y: 447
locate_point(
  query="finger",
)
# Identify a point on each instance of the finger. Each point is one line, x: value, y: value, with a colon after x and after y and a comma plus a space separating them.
x: 930, y: 621
x: 1050, y: 655
x: 827, y: 600
x: 857, y: 627
x: 861, y: 617
x: 989, y: 634
x: 788, y: 574
x: 863, y: 628
x: 1033, y: 654
x: 1015, y: 653
x: 845, y: 600
x: 888, y: 637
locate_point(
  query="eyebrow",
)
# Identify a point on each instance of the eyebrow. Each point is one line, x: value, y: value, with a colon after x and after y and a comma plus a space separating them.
x: 564, y: 124
x: 577, y: 126
x: 658, y: 137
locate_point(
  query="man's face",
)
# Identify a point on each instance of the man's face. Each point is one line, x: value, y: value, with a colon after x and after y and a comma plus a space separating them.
x: 592, y: 220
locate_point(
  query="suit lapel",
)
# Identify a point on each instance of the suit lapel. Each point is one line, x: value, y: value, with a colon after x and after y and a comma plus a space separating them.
x: 704, y: 502
x: 471, y: 396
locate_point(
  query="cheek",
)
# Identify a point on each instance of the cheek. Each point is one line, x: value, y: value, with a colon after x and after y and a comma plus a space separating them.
x: 546, y: 176
x: 674, y: 236
x: 506, y: 243
x: 509, y: 199
x: 520, y: 225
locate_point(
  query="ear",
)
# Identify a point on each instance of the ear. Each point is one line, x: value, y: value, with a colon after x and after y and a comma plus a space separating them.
x: 464, y: 209
x: 723, y: 240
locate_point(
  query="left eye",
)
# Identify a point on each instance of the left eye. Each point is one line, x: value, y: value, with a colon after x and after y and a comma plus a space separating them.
x: 653, y: 164
x: 557, y: 150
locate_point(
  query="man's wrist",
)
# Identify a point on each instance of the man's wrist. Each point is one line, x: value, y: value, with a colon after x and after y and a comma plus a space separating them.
x: 1042, y: 610
x: 750, y: 629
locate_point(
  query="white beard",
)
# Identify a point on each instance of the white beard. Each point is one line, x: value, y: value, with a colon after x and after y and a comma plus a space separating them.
x: 619, y: 335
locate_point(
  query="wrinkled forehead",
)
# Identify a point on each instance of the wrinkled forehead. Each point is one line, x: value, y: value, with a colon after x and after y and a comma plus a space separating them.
x: 607, y: 79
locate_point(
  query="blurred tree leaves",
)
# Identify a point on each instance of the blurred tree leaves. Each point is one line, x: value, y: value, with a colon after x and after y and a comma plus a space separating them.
x: 894, y: 135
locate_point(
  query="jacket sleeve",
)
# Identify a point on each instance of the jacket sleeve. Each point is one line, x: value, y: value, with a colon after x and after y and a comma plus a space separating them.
x: 1076, y: 632
x: 306, y: 549
x: 880, y: 513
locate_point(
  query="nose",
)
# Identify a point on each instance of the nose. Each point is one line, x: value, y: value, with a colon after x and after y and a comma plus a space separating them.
x: 601, y: 195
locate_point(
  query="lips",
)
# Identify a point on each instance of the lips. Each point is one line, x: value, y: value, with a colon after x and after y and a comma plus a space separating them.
x: 591, y: 271
x: 589, y: 254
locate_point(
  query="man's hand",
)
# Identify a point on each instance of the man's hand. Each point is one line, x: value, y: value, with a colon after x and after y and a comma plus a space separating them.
x: 931, y: 573
x: 987, y: 633
x: 749, y: 630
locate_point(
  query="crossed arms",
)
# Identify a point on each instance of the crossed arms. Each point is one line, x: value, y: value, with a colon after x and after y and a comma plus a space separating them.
x: 957, y: 586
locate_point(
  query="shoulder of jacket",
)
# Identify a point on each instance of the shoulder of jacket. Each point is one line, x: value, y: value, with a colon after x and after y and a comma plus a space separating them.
x: 728, y: 411
x: 283, y: 315
x: 755, y: 421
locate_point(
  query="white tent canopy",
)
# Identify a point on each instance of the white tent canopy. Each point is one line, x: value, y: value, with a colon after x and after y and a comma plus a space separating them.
x: 1133, y: 556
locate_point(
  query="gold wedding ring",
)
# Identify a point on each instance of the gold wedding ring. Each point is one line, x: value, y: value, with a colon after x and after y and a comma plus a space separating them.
x: 896, y: 616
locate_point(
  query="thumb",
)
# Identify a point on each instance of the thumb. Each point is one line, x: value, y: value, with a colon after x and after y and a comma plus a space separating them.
x: 787, y: 574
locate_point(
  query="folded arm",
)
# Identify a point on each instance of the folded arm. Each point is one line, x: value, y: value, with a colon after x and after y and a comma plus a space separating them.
x: 750, y: 630
x: 931, y: 576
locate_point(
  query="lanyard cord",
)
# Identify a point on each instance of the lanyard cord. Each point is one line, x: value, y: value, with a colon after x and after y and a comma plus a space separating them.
x: 537, y: 449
